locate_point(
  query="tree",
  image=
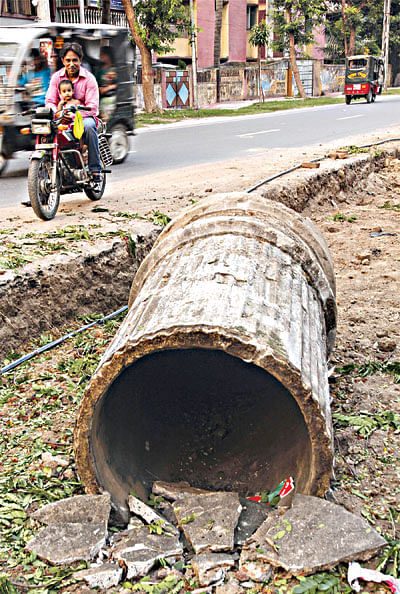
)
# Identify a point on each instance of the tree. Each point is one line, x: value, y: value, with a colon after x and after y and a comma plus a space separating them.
x: 352, y: 19
x: 295, y: 22
x: 260, y: 37
x: 154, y: 25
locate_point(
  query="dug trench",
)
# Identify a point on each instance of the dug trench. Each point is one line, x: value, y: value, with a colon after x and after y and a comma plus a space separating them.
x: 349, y: 203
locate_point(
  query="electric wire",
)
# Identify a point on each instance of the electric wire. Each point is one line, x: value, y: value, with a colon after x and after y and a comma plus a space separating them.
x: 116, y: 313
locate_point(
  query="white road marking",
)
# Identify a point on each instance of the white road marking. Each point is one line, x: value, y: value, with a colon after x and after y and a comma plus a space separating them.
x: 260, y: 132
x: 130, y: 152
x: 361, y: 115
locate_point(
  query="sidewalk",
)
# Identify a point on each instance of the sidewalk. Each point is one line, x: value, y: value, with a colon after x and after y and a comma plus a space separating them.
x: 246, y: 102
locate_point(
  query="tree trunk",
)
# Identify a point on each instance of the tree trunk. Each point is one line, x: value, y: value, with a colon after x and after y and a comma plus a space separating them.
x: 260, y: 89
x: 352, y: 41
x: 344, y: 19
x: 293, y: 63
x: 106, y: 12
x: 147, y: 70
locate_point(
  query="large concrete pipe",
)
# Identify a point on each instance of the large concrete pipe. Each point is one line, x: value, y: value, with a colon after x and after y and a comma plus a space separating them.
x: 218, y: 375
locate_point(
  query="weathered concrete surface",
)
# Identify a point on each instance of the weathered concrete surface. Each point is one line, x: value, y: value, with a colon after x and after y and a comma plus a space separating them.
x: 175, y: 491
x: 211, y: 567
x: 101, y: 576
x: 138, y: 550
x: 253, y: 566
x: 252, y: 516
x: 149, y: 515
x: 225, y: 308
x: 62, y: 544
x: 51, y: 293
x: 209, y: 520
x: 80, y: 509
x: 313, y: 535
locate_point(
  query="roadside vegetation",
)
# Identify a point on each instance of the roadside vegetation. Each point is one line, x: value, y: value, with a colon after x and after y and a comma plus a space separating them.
x: 177, y: 115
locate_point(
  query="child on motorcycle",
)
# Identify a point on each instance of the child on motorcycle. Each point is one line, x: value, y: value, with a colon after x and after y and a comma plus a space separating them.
x: 66, y: 91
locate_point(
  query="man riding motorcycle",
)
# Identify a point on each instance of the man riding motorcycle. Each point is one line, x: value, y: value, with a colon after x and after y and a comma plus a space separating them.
x: 87, y: 92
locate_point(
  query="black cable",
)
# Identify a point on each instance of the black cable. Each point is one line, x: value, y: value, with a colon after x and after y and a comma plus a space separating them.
x: 55, y: 343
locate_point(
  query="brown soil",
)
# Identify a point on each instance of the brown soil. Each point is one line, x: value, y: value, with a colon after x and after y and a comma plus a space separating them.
x: 367, y: 273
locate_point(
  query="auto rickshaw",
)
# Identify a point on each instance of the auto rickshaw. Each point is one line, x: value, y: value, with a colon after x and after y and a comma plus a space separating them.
x: 364, y: 77
x: 16, y: 44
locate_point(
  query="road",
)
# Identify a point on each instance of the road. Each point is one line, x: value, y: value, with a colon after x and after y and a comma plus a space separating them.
x: 173, y: 146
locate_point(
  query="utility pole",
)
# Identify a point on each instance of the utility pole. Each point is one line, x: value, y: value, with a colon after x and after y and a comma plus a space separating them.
x: 194, y: 57
x: 42, y: 11
x: 385, y: 40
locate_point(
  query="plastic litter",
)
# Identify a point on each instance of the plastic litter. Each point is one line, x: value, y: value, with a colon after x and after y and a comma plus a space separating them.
x: 78, y: 128
x: 380, y: 233
x: 356, y: 572
x: 282, y: 490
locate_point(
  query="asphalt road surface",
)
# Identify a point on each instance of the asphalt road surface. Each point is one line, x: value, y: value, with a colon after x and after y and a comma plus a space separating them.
x: 173, y: 146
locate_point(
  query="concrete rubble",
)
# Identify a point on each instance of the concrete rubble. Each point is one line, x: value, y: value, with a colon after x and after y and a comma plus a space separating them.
x: 223, y: 543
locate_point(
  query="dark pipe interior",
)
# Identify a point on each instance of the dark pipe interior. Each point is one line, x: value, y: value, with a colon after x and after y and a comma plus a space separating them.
x: 202, y: 416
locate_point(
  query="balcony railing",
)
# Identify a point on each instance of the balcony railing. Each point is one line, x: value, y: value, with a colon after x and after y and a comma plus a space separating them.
x: 69, y: 13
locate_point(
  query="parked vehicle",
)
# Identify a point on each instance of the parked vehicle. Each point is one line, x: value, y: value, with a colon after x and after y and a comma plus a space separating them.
x: 59, y: 163
x: 16, y: 43
x: 364, y: 77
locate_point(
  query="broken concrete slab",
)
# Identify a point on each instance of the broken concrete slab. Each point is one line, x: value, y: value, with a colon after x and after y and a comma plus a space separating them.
x: 138, y: 549
x: 62, y: 544
x: 81, y: 509
x: 53, y: 462
x: 252, y: 516
x: 149, y: 515
x: 231, y: 586
x: 211, y: 567
x: 313, y: 535
x: 209, y: 520
x: 101, y: 576
x: 175, y: 491
x: 253, y: 567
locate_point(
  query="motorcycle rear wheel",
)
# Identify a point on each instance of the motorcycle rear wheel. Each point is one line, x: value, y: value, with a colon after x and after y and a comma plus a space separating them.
x: 96, y: 191
x: 44, y: 201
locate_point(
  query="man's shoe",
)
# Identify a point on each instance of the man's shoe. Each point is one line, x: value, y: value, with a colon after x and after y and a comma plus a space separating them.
x: 26, y: 203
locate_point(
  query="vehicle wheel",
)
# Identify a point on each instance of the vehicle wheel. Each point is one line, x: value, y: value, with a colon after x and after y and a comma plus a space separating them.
x: 44, y: 202
x: 95, y: 191
x: 373, y: 97
x: 380, y: 90
x: 3, y: 162
x: 369, y: 97
x: 348, y: 99
x: 119, y: 143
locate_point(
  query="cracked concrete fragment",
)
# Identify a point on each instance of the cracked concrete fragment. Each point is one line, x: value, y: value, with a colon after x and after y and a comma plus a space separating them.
x: 313, y: 535
x: 231, y: 586
x: 256, y: 569
x: 252, y: 516
x: 209, y: 520
x: 148, y: 514
x: 61, y: 544
x: 211, y: 567
x: 81, y: 509
x: 101, y: 576
x: 175, y: 491
x: 138, y: 549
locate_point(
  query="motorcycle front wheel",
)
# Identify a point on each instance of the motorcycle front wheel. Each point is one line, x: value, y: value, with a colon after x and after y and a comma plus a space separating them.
x: 95, y: 191
x: 43, y: 199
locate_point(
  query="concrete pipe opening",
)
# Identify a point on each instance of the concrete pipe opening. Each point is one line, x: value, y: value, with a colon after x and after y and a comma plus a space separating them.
x: 202, y: 416
x: 218, y: 375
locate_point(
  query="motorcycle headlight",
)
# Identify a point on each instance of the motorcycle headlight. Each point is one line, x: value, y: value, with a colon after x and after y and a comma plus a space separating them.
x: 40, y: 127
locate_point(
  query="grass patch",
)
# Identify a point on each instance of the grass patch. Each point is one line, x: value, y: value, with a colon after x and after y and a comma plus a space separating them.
x: 177, y: 115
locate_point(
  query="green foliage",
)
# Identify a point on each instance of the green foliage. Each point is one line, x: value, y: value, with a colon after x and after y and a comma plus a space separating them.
x: 372, y: 367
x: 160, y: 22
x: 305, y: 15
x: 366, y: 423
x: 340, y: 217
x: 158, y: 218
x: 260, y: 35
x: 319, y: 582
x: 389, y: 206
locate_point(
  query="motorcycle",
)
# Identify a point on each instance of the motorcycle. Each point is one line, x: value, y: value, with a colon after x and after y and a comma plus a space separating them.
x: 59, y: 163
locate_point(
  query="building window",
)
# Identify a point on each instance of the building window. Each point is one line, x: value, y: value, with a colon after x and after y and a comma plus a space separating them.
x: 251, y: 16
